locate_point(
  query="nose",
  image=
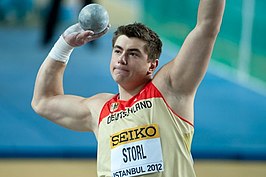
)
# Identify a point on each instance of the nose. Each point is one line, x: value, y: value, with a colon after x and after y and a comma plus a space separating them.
x: 122, y: 59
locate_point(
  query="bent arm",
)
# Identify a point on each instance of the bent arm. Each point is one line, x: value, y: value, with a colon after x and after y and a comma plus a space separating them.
x: 50, y: 102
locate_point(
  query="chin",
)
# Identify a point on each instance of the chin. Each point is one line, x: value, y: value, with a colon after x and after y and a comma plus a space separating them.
x: 118, y: 79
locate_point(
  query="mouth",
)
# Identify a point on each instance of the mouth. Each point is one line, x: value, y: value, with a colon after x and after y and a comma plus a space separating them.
x: 119, y: 68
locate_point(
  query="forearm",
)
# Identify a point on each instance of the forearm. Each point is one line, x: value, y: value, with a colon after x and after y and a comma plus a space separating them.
x: 190, y: 65
x: 210, y: 15
x: 49, y: 81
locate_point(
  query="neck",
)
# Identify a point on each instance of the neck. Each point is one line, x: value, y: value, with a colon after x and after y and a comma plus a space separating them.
x: 125, y: 93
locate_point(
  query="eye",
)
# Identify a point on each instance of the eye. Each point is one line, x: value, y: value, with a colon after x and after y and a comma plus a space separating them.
x: 133, y: 54
x: 117, y: 51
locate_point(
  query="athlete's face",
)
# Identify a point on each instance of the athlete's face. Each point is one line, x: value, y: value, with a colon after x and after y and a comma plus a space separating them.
x: 129, y: 63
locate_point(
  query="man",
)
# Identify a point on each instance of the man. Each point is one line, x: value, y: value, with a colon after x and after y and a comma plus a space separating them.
x: 147, y: 128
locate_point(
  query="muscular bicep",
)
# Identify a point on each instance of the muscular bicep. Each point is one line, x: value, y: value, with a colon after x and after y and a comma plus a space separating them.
x: 68, y: 111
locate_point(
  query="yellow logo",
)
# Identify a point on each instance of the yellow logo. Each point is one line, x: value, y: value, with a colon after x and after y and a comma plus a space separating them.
x: 135, y: 134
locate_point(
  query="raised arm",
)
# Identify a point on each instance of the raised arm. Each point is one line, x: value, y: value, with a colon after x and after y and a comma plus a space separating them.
x: 181, y: 77
x: 49, y: 100
x: 188, y: 68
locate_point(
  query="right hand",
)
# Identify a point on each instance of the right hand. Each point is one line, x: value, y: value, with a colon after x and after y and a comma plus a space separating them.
x: 76, y: 36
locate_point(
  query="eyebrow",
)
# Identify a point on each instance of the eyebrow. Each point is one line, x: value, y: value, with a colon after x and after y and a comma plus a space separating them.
x: 119, y: 47
x: 131, y: 50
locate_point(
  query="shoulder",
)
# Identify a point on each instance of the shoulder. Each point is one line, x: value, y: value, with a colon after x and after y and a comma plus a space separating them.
x: 99, y: 99
x: 104, y: 96
x: 94, y: 105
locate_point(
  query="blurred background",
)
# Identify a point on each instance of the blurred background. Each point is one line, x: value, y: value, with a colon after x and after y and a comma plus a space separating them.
x: 230, y: 107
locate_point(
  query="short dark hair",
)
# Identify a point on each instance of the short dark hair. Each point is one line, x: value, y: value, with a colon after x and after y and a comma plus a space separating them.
x: 153, y: 45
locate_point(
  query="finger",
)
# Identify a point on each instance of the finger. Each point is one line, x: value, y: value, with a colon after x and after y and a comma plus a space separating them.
x: 89, y: 39
x: 84, y: 35
x: 103, y: 32
x: 88, y: 33
x: 73, y: 29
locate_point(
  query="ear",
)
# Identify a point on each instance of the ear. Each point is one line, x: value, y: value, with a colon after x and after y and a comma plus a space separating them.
x: 153, y: 66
